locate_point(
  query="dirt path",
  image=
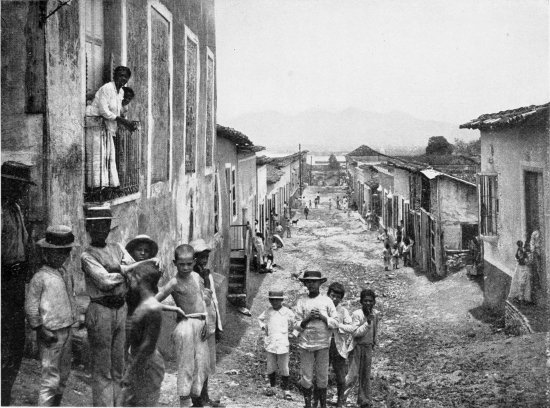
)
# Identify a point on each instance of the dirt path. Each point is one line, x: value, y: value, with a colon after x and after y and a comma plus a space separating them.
x: 432, y: 352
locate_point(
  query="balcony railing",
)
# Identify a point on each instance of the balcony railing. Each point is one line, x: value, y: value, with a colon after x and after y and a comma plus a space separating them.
x: 109, y: 174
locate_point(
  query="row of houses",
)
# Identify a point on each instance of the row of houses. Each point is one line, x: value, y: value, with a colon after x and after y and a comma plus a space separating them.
x: 181, y: 176
x: 444, y: 213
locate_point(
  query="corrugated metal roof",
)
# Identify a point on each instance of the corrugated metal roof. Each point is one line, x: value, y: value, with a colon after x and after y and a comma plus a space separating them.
x: 508, y: 118
x: 432, y: 174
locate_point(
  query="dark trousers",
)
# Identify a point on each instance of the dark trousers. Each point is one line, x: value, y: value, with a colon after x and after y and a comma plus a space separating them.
x: 13, y: 325
x: 339, y: 364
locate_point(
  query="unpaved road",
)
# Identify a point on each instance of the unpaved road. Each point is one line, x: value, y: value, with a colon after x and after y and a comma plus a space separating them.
x: 432, y: 352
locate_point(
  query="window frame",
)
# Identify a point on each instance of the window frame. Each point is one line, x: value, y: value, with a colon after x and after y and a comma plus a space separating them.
x: 233, y: 184
x: 210, y: 168
x: 154, y: 188
x: 493, y: 208
x: 189, y: 35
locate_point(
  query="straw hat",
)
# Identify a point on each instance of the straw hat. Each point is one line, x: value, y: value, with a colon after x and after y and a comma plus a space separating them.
x: 200, y: 245
x: 57, y: 236
x: 276, y: 294
x: 313, y: 276
x: 138, y: 239
x: 98, y: 213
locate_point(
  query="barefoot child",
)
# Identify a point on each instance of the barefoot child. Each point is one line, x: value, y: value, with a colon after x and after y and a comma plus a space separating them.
x: 386, y: 254
x: 145, y: 370
x: 365, y: 321
x: 141, y: 248
x: 51, y: 311
x: 339, y: 344
x: 215, y: 329
x: 395, y: 256
x: 275, y: 322
x: 193, y: 358
x: 315, y: 317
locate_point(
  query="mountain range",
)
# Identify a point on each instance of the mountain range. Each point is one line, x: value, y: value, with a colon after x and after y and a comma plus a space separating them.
x: 320, y: 130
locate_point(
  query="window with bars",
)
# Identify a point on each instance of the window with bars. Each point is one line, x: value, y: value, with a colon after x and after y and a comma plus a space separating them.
x: 488, y: 203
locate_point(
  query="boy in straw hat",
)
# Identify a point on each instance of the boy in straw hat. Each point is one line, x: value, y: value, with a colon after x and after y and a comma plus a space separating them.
x: 275, y: 323
x: 51, y: 311
x: 106, y: 267
x: 141, y: 248
x: 215, y: 329
x: 316, y: 316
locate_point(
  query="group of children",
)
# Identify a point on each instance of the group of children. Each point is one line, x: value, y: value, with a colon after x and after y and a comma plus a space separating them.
x: 127, y: 370
x: 326, y: 335
x: 396, y: 249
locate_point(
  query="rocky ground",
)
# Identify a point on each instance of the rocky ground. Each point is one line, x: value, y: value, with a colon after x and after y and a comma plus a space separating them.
x: 432, y: 351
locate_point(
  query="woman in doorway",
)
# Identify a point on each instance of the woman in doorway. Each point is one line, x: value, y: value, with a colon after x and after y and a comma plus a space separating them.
x: 520, y: 289
x: 102, y: 118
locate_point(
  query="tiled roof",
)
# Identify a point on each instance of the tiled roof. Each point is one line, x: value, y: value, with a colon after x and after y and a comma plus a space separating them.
x: 239, y: 139
x: 364, y: 150
x: 273, y: 174
x: 280, y: 161
x: 508, y: 118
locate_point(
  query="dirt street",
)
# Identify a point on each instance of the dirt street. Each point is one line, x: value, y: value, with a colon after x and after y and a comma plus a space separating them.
x: 432, y: 352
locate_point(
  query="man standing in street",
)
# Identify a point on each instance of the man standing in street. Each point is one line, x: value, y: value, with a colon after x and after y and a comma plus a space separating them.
x: 106, y: 266
x: 15, y: 272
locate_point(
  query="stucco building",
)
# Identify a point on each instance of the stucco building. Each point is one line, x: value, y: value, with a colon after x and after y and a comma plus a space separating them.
x: 514, y: 197
x: 236, y: 158
x: 443, y: 217
x: 170, y: 184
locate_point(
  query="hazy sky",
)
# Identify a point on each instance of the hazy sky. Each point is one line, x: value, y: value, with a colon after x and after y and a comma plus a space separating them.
x: 449, y: 60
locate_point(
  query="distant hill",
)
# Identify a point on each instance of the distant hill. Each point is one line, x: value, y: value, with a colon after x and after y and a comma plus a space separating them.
x: 329, y: 131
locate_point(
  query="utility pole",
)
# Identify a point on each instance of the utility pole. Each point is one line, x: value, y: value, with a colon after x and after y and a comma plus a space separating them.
x: 300, y: 170
x: 310, y: 168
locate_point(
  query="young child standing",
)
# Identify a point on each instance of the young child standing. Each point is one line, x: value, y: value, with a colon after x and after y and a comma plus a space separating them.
x: 51, y: 311
x: 315, y: 317
x: 386, y: 254
x: 339, y: 344
x: 395, y: 256
x: 145, y: 370
x: 190, y: 334
x: 275, y: 322
x: 365, y: 322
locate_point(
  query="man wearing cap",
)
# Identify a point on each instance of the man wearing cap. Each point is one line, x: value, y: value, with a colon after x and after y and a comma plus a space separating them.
x: 105, y: 266
x: 16, y: 177
x: 215, y: 329
x: 51, y: 311
x: 315, y: 317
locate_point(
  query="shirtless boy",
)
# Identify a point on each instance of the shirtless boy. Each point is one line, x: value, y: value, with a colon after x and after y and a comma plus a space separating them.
x: 190, y: 335
x: 145, y: 370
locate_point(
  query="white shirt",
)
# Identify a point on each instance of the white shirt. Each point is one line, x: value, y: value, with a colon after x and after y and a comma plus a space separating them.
x: 342, y: 337
x: 107, y: 103
x: 317, y: 334
x: 277, y: 323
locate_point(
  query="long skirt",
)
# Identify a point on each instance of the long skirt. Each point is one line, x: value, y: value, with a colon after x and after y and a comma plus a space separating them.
x: 520, y: 288
x: 101, y: 170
